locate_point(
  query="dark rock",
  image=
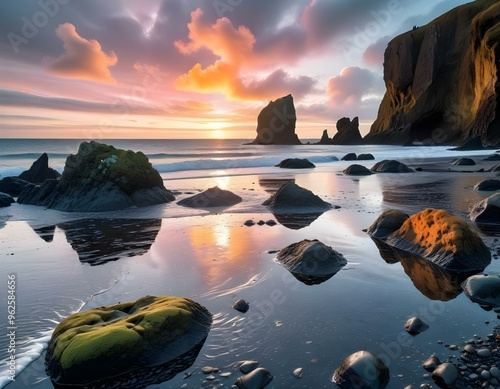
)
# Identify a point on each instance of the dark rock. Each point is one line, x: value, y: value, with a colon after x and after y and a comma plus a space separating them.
x: 349, y: 157
x: 100, y: 178
x: 249, y: 223
x: 415, y: 326
x: 213, y: 197
x: 276, y: 123
x: 493, y: 157
x: 347, y: 132
x: 484, y: 290
x: 495, y: 168
x: 431, y: 363
x: 469, y: 145
x: 127, y: 345
x: 487, y: 211
x: 40, y: 171
x: 311, y: 262
x: 297, y: 221
x: 296, y: 163
x: 271, y: 223
x: 13, y: 185
x: 5, y: 200
x: 488, y: 185
x: 241, y: 306
x: 362, y: 370
x: 391, y: 166
x: 445, y: 375
x: 325, y: 139
x: 293, y: 198
x: 256, y: 379
x: 387, y: 223
x: 357, y: 170
x: 365, y: 157
x: 248, y: 366
x: 441, y: 238
x: 438, y: 79
x: 463, y: 162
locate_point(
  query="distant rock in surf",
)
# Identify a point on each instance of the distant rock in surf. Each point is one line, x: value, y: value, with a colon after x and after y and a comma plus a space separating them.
x: 40, y: 171
x: 296, y: 163
x: 325, y: 139
x: 357, y: 170
x: 100, y: 178
x: 365, y: 157
x: 213, y: 197
x: 276, y: 123
x: 349, y: 157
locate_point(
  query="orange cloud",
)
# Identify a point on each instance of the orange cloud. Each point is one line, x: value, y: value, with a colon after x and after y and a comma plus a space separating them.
x: 230, y: 74
x: 83, y: 59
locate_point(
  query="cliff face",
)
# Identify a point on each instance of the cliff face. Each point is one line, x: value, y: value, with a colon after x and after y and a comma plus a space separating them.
x: 276, y: 123
x: 442, y: 80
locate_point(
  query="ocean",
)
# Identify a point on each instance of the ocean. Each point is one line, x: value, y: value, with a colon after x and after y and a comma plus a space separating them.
x: 67, y: 262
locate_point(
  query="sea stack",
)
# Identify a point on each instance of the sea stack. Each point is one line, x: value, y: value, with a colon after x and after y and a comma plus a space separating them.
x: 276, y: 123
x: 441, y: 81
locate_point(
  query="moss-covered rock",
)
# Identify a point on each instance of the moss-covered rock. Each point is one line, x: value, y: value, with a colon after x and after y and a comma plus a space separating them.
x: 440, y: 237
x: 116, y: 345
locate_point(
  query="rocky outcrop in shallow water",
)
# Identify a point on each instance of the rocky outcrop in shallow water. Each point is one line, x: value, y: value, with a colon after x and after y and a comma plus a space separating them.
x: 100, y: 178
x: 40, y: 171
x: 442, y: 81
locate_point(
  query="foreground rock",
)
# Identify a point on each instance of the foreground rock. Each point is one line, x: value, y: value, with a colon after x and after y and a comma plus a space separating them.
x: 5, y: 200
x: 347, y: 132
x: 445, y: 375
x: 362, y: 370
x: 276, y: 123
x: 440, y: 80
x: 100, y: 178
x: 311, y: 262
x: 256, y: 379
x: 436, y: 235
x: 40, y: 171
x: 415, y: 326
x: 357, y: 170
x: 296, y: 163
x: 488, y: 185
x: 295, y: 199
x: 127, y: 345
x: 13, y: 186
x: 213, y: 197
x: 483, y: 289
x: 487, y: 211
x: 391, y: 166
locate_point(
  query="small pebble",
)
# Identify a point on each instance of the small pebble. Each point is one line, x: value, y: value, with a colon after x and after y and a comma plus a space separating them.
x: 425, y: 386
x: 470, y: 349
x: 495, y: 372
x: 249, y: 223
x: 208, y: 369
x: 453, y: 347
x: 473, y: 377
x: 226, y: 375
x: 298, y: 372
x: 485, y: 375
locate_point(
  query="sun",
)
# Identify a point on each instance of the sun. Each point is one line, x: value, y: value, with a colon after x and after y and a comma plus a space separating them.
x: 218, y: 134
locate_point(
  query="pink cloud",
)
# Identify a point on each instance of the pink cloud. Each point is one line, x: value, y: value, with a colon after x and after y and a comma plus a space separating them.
x: 351, y: 85
x: 83, y: 59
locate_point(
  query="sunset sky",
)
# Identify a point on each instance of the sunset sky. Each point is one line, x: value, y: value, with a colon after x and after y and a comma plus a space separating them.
x: 114, y: 69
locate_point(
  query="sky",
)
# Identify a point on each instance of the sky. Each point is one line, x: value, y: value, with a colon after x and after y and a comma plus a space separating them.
x: 179, y: 69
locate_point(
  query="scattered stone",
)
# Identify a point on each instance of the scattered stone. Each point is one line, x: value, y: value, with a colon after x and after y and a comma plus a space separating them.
x: 445, y: 375
x: 488, y: 185
x: 212, y: 197
x: 40, y: 171
x: 425, y: 386
x: 226, y: 374
x: 487, y: 211
x: 357, y: 170
x: 256, y: 379
x: 248, y: 366
x: 298, y: 372
x: 209, y: 369
x: 362, y: 370
x: 463, y: 162
x: 469, y: 349
x: 311, y: 261
x: 296, y: 163
x: 484, y: 353
x: 97, y: 347
x: 349, y: 157
x: 431, y: 363
x: 453, y: 347
x: 291, y: 197
x: 271, y: 223
x: 485, y: 375
x: 365, y: 157
x: 241, y: 306
x: 391, y: 166
x: 495, y: 372
x: 415, y: 326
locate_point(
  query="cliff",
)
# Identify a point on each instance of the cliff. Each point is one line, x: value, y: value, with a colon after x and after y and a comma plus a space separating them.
x: 442, y: 81
x: 276, y: 123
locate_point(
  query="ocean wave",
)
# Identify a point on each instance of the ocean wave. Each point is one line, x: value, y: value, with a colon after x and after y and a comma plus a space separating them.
x: 208, y: 154
x: 233, y: 163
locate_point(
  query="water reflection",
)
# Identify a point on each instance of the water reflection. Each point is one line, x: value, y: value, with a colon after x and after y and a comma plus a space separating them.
x: 431, y: 280
x: 98, y: 241
x: 271, y: 185
x: 296, y: 221
x: 46, y: 233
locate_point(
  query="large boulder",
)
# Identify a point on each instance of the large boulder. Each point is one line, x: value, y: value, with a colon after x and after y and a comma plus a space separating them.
x: 5, y: 200
x: 212, y: 197
x: 13, y: 185
x: 391, y: 166
x: 438, y: 236
x: 487, y: 211
x: 132, y: 344
x: 296, y: 163
x: 311, y: 261
x: 488, y: 185
x: 362, y: 370
x: 291, y: 198
x: 483, y: 289
x: 441, y: 81
x: 276, y: 123
x: 100, y: 178
x: 357, y: 170
x: 387, y: 223
x: 347, y: 132
x: 40, y: 171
